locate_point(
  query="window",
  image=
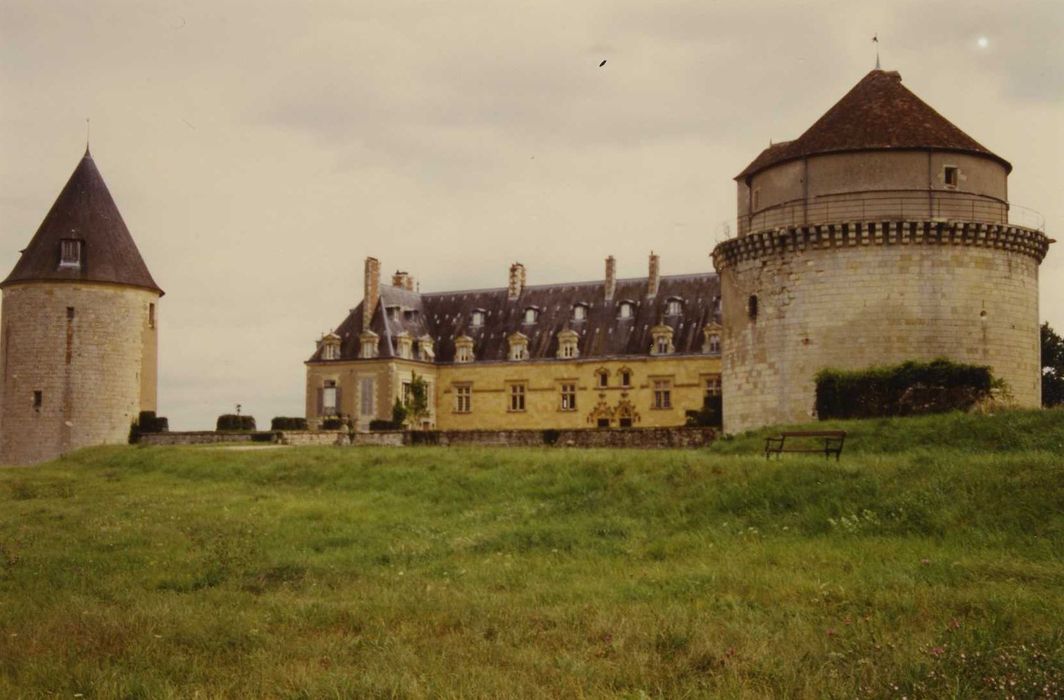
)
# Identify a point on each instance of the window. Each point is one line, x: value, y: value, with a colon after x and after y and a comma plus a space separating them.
x: 757, y: 198
x: 662, y: 393
x: 625, y: 421
x: 568, y: 341
x: 328, y: 398
x: 70, y: 313
x: 69, y: 253
x: 751, y: 307
x: 950, y: 175
x: 151, y: 315
x: 518, y: 347
x: 567, y: 350
x: 463, y: 398
x: 626, y: 310
x: 477, y: 319
x: 568, y: 397
x: 714, y: 344
x: 426, y: 348
x: 626, y: 377
x: 530, y: 315
x: 603, y: 422
x: 370, y: 343
x: 603, y: 376
x: 674, y: 307
x: 38, y: 400
x: 405, y: 345
x: 517, y: 397
x: 394, y: 313
x: 579, y: 312
x: 463, y: 349
x: 366, y: 391
x: 407, y: 393
x: 661, y: 345
x: 712, y: 386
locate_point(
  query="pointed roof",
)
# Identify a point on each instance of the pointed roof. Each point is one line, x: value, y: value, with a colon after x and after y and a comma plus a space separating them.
x: 85, y: 211
x: 878, y: 113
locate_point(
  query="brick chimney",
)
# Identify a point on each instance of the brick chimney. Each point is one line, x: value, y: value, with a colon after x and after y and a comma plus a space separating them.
x: 403, y: 280
x: 517, y: 281
x: 372, y: 290
x: 611, y: 277
x: 654, y: 275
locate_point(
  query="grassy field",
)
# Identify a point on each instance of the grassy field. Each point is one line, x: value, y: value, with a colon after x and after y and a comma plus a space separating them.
x: 928, y: 563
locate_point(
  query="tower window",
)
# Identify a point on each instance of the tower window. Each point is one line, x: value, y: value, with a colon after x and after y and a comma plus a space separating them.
x: 751, y: 307
x: 70, y: 253
x: 151, y: 315
x: 950, y: 175
x: 38, y: 400
x: 70, y: 313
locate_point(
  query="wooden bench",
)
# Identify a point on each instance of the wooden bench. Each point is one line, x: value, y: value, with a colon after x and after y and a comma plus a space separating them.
x: 829, y: 442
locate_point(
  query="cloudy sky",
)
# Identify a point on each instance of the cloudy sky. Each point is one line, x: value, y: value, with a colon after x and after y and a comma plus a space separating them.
x: 260, y: 150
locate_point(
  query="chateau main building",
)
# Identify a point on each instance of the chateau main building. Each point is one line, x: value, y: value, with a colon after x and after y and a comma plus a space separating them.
x: 612, y: 353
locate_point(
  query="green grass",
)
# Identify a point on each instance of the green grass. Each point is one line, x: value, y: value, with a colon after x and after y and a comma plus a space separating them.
x: 927, y: 563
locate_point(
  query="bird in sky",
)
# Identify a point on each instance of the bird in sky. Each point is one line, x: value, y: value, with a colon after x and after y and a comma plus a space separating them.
x: 603, y: 63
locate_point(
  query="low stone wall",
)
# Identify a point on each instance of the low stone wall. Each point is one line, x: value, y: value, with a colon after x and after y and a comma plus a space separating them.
x: 198, y: 437
x: 642, y: 438
x: 313, y: 437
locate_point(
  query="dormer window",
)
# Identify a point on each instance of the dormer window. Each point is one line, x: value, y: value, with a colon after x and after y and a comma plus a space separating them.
x: 674, y: 307
x: 662, y: 343
x: 426, y: 348
x: 626, y: 310
x: 463, y: 349
x: 531, y: 314
x: 70, y: 253
x: 370, y: 342
x: 330, y: 346
x: 711, y: 338
x: 580, y: 312
x: 405, y: 345
x: 394, y: 313
x: 567, y: 344
x: 518, y: 347
x: 477, y: 319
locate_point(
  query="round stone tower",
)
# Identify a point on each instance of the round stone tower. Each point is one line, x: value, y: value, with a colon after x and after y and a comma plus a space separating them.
x: 78, y: 341
x: 881, y: 234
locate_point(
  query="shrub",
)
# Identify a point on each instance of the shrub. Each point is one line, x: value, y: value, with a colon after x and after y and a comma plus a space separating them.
x: 384, y: 425
x: 907, y: 389
x: 399, y: 412
x: 710, y: 414
x: 425, y: 437
x: 332, y: 424
x: 286, y: 423
x: 231, y: 421
x: 147, y: 422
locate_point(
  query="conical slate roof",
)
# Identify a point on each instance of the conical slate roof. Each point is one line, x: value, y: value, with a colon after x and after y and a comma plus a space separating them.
x: 85, y: 211
x: 878, y: 113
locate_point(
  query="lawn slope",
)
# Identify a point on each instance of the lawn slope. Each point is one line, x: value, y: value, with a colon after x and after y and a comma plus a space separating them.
x: 927, y: 563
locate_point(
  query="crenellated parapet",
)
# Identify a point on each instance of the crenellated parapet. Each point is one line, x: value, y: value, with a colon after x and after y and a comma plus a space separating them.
x: 790, y: 239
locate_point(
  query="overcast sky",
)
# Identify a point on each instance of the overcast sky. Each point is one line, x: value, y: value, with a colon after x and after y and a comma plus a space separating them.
x: 258, y: 151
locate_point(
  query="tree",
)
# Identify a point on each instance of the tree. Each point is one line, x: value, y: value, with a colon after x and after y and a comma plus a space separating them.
x: 398, y: 413
x: 1052, y: 367
x: 417, y: 403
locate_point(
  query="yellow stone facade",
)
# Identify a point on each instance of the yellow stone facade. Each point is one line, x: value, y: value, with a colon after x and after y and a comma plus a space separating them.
x: 524, y: 394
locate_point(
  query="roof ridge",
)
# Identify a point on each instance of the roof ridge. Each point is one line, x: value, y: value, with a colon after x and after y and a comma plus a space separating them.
x: 686, y: 275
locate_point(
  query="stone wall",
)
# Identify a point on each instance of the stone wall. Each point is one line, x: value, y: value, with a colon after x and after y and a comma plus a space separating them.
x: 868, y: 293
x: 90, y: 352
x: 200, y: 437
x: 633, y: 437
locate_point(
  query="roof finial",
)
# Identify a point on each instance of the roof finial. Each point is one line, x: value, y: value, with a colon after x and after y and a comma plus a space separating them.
x: 875, y: 40
x: 88, y: 133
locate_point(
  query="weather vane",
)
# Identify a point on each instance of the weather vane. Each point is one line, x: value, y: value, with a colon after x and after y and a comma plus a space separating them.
x: 875, y: 40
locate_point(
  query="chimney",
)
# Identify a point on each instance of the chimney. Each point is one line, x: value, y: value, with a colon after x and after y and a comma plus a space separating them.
x: 611, y: 277
x: 517, y: 281
x: 371, y: 292
x: 653, y: 276
x: 403, y: 280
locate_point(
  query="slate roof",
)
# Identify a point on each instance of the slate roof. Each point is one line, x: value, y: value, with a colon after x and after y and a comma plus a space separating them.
x: 878, y: 113
x: 446, y: 315
x: 84, y: 210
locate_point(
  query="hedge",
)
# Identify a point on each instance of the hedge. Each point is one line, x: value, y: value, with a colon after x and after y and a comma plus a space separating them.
x: 385, y: 425
x: 286, y: 423
x: 147, y: 422
x: 901, y: 390
x: 231, y: 421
